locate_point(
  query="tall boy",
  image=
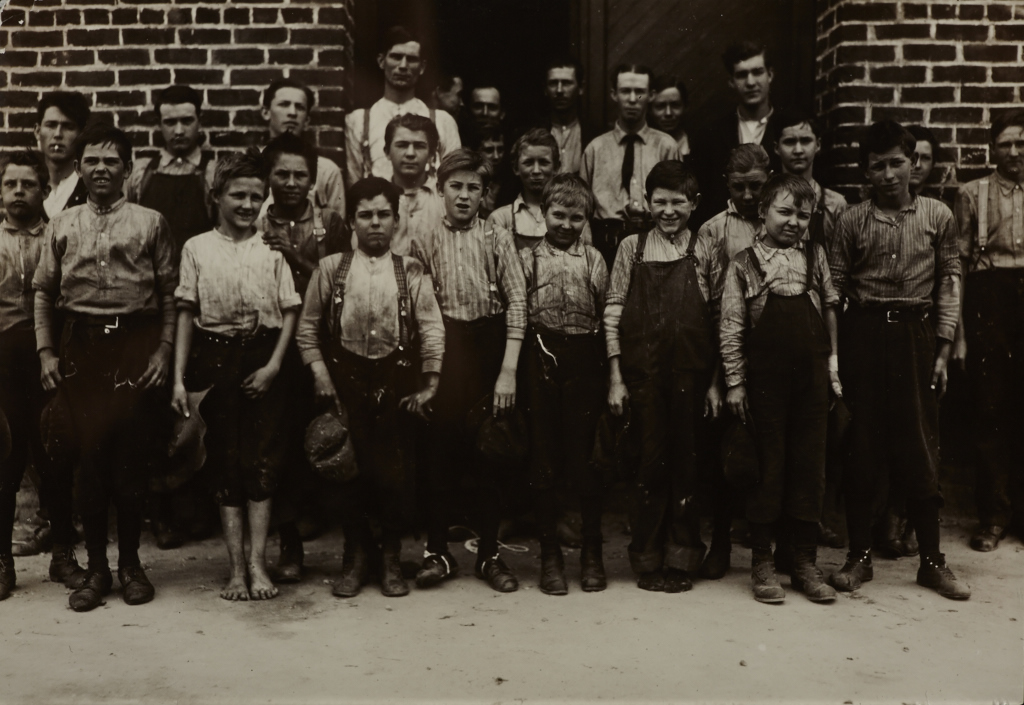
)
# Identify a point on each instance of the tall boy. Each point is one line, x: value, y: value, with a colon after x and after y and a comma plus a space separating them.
x: 109, y: 266
x: 478, y: 280
x: 565, y: 372
x: 733, y: 229
x: 60, y: 118
x: 778, y: 343
x: 535, y: 158
x: 411, y: 144
x: 369, y: 320
x: 661, y: 335
x: 24, y: 183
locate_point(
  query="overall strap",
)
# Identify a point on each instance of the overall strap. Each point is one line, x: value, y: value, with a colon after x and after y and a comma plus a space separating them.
x: 641, y: 244
x: 756, y: 263
x: 147, y: 175
x: 404, y: 302
x: 491, y: 261
x: 319, y: 232
x: 204, y: 162
x: 433, y: 115
x: 338, y: 301
x: 983, y: 214
x: 809, y: 251
x: 691, y: 246
x: 367, y: 163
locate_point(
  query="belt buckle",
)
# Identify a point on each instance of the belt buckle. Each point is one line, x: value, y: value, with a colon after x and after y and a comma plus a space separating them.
x: 107, y: 327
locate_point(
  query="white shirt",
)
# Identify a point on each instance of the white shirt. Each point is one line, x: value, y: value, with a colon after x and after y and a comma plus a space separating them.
x: 59, y: 194
x: 752, y: 131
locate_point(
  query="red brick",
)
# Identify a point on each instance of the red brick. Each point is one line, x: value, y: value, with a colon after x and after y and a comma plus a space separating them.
x: 254, y: 77
x: 943, y: 12
x: 144, y: 77
x: 965, y: 175
x: 42, y: 18
x: 30, y: 40
x: 215, y: 118
x: 865, y: 94
x: 93, y: 37
x: 331, y: 57
x: 14, y: 17
x: 959, y: 74
x: 124, y: 15
x: 972, y: 12
x: 181, y: 56
x: 898, y: 74
x: 138, y: 139
x: 973, y: 156
x: 999, y: 13
x: 868, y: 12
x: 915, y: 11
x: 207, y: 15
x: 927, y: 94
x: 199, y: 76
x: 296, y: 57
x: 1010, y: 33
x: 338, y: 15
x: 264, y: 15
x: 66, y: 18
x: 235, y: 138
x: 848, y: 114
x: 319, y: 37
x: 16, y: 99
x: 21, y: 58
x: 972, y: 135
x: 990, y: 53
x: 67, y: 58
x: 943, y: 134
x: 125, y: 57
x: 903, y: 31
x: 20, y: 139
x: 328, y: 98
x: 1006, y: 74
x: 316, y: 77
x: 96, y: 79
x: 297, y: 15
x: 248, y: 118
x: 96, y: 16
x: 261, y: 35
x: 957, y: 115
x: 148, y: 37
x: 848, y: 33
x: 22, y: 121
x: 233, y: 96
x: 238, y: 57
x: 136, y: 118
x: 866, y: 52
x: 120, y: 98
x: 986, y: 94
x: 202, y: 37
x: 929, y: 52
x: 901, y: 115
x: 962, y: 32
x: 47, y: 79
x: 150, y: 16
x: 236, y: 15
x: 179, y: 15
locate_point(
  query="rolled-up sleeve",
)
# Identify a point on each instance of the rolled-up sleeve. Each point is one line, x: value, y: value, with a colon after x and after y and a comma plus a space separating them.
x: 187, y: 294
x: 287, y: 297
x: 428, y: 316
x: 46, y: 283
x: 512, y: 282
x: 165, y: 269
x: 307, y: 332
x: 966, y: 211
x: 947, y: 297
x: 827, y: 292
x: 839, y: 250
x: 732, y: 327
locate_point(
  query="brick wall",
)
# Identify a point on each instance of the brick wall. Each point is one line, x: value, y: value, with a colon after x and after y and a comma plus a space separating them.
x: 950, y: 66
x: 121, y: 52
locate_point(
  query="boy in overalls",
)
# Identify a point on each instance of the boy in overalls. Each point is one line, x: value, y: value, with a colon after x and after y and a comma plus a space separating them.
x: 778, y: 331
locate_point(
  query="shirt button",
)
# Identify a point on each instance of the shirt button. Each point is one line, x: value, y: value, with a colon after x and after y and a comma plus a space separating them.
x: 894, y: 256
x: 373, y: 332
x: 103, y: 263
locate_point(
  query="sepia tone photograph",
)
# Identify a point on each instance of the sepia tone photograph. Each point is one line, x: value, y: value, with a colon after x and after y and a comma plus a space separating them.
x: 512, y: 351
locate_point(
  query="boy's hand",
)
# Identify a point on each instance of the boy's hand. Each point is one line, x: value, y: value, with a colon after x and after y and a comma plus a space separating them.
x: 713, y: 401
x: 156, y: 371
x: 505, y: 392
x: 837, y: 387
x: 959, y: 354
x: 940, y: 373
x: 323, y: 388
x: 256, y: 385
x: 419, y: 403
x: 736, y: 400
x: 179, y: 400
x: 618, y: 397
x: 50, y: 364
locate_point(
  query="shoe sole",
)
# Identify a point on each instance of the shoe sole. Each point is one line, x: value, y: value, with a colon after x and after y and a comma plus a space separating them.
x: 770, y: 600
x: 138, y: 601
x: 560, y: 591
x: 395, y: 594
x: 593, y: 588
x: 431, y: 581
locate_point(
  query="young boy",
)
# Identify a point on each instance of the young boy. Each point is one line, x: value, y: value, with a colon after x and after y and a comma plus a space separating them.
x: 237, y: 308
x: 565, y: 371
x: 368, y: 319
x: 60, y: 118
x: 109, y: 267
x: 733, y: 229
x: 534, y: 159
x: 479, y: 283
x: 662, y: 347
x: 410, y: 141
x: 24, y: 183
x: 778, y: 343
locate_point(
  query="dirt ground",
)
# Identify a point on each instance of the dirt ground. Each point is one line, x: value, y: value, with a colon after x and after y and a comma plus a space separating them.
x: 889, y: 642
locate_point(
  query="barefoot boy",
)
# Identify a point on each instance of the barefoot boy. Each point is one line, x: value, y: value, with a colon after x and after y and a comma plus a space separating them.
x: 237, y: 308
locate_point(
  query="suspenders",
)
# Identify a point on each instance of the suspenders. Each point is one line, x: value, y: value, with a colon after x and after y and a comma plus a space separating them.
x: 365, y: 145
x: 641, y: 245
x: 808, y: 251
x: 404, y: 301
x: 154, y: 164
x: 319, y: 230
x: 983, y: 214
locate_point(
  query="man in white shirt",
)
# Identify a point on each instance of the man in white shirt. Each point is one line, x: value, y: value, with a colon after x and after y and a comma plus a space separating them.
x: 60, y: 117
x: 402, y: 64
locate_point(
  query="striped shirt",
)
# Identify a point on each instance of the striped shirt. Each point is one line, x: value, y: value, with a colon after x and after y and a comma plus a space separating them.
x: 730, y: 233
x: 527, y: 222
x: 888, y: 262
x: 566, y: 288
x: 1005, y: 246
x: 20, y: 249
x: 419, y: 214
x: 745, y: 294
x: 477, y: 273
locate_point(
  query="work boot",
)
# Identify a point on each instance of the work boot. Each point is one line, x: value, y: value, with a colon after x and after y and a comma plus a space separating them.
x: 436, y: 568
x: 39, y: 541
x: 807, y: 576
x: 763, y: 580
x: 987, y: 538
x: 855, y: 571
x: 592, y: 575
x: 94, y: 588
x: 652, y: 581
x: 135, y: 586
x: 828, y: 537
x: 354, y: 571
x: 934, y: 574
x: 392, y: 584
x: 167, y: 535
x: 677, y: 580
x: 716, y: 563
x: 889, y: 540
x: 7, y: 575
x: 783, y: 558
x: 552, y: 571
x: 496, y: 574
x: 64, y: 567
x: 910, y: 545
x: 289, y: 563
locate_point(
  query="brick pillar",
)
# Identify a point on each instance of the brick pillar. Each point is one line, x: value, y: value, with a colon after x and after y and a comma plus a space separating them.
x: 122, y: 52
x: 950, y: 66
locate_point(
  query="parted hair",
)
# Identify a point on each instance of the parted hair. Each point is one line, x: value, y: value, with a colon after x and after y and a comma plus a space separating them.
x: 537, y: 137
x: 883, y: 136
x: 632, y: 68
x: 746, y: 158
x: 667, y: 81
x: 741, y: 51
x: 30, y: 158
x: 239, y: 165
x: 368, y: 189
x: 672, y: 175
x: 415, y: 123
x: 71, y: 103
x: 568, y: 190
x: 287, y: 143
x: 1013, y: 118
x: 465, y: 160
x: 793, y: 119
x: 103, y: 133
x: 795, y: 186
x: 273, y: 88
x: 178, y: 95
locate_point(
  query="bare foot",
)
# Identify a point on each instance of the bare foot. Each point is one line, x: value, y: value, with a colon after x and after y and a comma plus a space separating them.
x: 236, y: 589
x: 262, y: 587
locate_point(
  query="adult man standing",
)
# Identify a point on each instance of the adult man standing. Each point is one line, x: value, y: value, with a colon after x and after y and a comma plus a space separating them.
x: 991, y: 329
x: 563, y: 88
x: 60, y: 117
x: 402, y: 63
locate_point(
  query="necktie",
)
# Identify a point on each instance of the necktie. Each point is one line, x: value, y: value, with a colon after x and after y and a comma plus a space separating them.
x: 627, y: 160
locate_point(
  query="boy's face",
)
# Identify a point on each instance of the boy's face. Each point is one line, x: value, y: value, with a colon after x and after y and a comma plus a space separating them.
x: 409, y: 152
x: 22, y: 195
x: 288, y: 112
x: 103, y: 172
x: 786, y: 222
x: 493, y: 149
x: 534, y: 168
x: 797, y: 147
x: 889, y: 173
x: 55, y: 133
x: 402, y: 65
x: 179, y: 126
x: 1008, y: 150
x: 561, y: 88
x: 745, y: 191
x: 462, y: 193
x: 239, y: 202
x: 666, y: 109
x: 564, y: 224
x: 450, y: 100
x: 921, y: 167
x: 374, y: 224
x: 671, y: 210
x: 290, y: 180
x: 632, y: 94
x: 751, y: 80
x: 485, y: 104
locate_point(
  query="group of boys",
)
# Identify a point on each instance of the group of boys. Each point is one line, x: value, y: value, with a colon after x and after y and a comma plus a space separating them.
x: 424, y: 329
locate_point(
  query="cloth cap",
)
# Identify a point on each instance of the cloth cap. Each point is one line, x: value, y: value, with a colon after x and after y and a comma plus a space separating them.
x: 186, y: 451
x: 500, y: 439
x: 329, y: 446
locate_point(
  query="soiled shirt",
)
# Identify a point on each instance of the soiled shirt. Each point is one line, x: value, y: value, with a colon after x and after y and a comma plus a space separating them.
x: 235, y: 287
x: 658, y: 249
x: 528, y: 221
x: 172, y: 165
x: 300, y: 234
x: 19, y: 254
x: 602, y: 168
x: 327, y: 192
x: 369, y: 315
x: 477, y: 273
x: 1005, y: 246
x: 730, y: 233
x: 109, y: 261
x: 745, y: 294
x: 420, y: 212
x: 381, y: 113
x: 570, y: 146
x: 60, y: 193
x: 566, y: 289
x: 878, y: 260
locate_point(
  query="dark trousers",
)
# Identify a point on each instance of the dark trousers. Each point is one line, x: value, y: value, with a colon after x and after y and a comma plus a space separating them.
x: 567, y: 383
x: 22, y: 400
x: 473, y: 354
x: 893, y: 440
x: 994, y: 323
x: 668, y: 412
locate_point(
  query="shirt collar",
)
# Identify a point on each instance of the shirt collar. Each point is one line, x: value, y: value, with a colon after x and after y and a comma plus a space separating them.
x: 195, y: 157
x: 306, y: 215
x: 760, y: 121
x: 1005, y: 185
x: 643, y: 133
x: 767, y: 251
x: 575, y: 249
x: 406, y: 107
x: 472, y: 224
x: 372, y: 260
x: 731, y: 209
x: 104, y: 210
x: 677, y: 239
x: 520, y: 205
x: 912, y: 206
x: 14, y: 229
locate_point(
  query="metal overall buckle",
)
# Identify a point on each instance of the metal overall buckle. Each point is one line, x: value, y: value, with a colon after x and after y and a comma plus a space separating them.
x: 107, y: 327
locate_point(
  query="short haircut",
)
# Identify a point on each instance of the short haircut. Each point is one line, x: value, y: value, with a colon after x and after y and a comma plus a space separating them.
x: 631, y: 68
x: 415, y: 123
x: 71, y: 103
x: 103, y: 133
x: 239, y: 165
x: 397, y: 35
x: 446, y: 80
x: 796, y: 186
x: 537, y: 137
x: 483, y: 83
x: 741, y: 51
x: 287, y: 143
x: 27, y: 157
x: 566, y: 62
x: 367, y: 189
x: 747, y: 158
x: 884, y: 136
x: 465, y: 160
x: 1013, y: 118
x: 178, y: 95
x: 273, y: 88
x: 672, y: 175
x: 491, y: 133
x: 793, y: 119
x: 568, y: 190
x: 662, y: 83
x: 920, y: 132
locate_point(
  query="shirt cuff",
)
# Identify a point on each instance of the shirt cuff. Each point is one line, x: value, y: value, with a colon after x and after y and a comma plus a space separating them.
x: 431, y: 366
x: 44, y: 339
x: 311, y: 355
x: 945, y: 331
x: 515, y: 333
